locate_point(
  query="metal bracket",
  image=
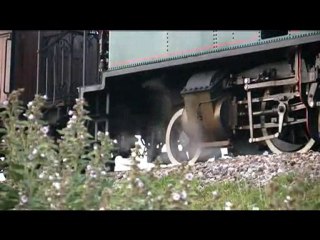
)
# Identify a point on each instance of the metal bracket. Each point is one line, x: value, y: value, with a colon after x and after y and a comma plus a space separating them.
x: 282, y: 108
x: 311, y: 94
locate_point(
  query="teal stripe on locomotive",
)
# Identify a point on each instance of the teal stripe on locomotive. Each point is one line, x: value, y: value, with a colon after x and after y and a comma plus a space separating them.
x: 135, y: 48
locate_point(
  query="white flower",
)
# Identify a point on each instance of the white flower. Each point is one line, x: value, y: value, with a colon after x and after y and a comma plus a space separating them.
x: 34, y: 151
x: 30, y: 104
x: 227, y: 208
x: 49, y: 199
x: 57, y: 185
x: 115, y: 141
x: 103, y: 173
x: 189, y: 176
x: 255, y: 208
x: 95, y: 147
x: 228, y: 204
x: 176, y: 196
x: 57, y: 174
x: 101, y: 209
x: 99, y: 133
x: 31, y: 117
x: 64, y: 160
x: 102, y: 155
x: 183, y: 195
x: 5, y: 103
x: 70, y: 113
x: 42, y: 155
x: 149, y: 193
x: 50, y: 178
x: 289, y: 198
x: 133, y: 154
x: 41, y: 175
x: 3, y: 141
x: 215, y: 193
x: 24, y: 199
x: 93, y: 174
x: 45, y: 129
x: 106, y: 133
x: 69, y: 125
x: 2, y: 158
x: 52, y: 205
x: 74, y: 117
x: 45, y: 97
x: 140, y: 184
x: 89, y: 167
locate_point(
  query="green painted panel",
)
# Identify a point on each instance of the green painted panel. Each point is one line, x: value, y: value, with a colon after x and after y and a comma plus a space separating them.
x: 185, y: 42
x: 133, y: 47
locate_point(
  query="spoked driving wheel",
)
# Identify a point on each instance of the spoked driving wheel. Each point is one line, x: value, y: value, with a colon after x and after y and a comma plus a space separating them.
x: 179, y: 146
x: 293, y: 138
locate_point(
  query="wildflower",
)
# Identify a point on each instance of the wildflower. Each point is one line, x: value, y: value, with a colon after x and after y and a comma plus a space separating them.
x: 255, y: 208
x: 99, y: 133
x: 52, y: 205
x: 64, y: 160
x: 45, y: 129
x: 3, y: 141
x: 70, y: 113
x: 189, y: 176
x: 103, y: 173
x: 56, y: 185
x: 24, y: 199
x: 31, y: 117
x: 176, y: 196
x: 133, y: 154
x: 102, y: 155
x: 215, y: 193
x: 140, y: 184
x: 50, y: 178
x: 106, y: 133
x: 30, y: 104
x: 149, y: 193
x: 5, y: 103
x: 228, y: 204
x: 183, y: 195
x: 42, y: 155
x: 101, y: 209
x: 57, y: 174
x: 34, y: 151
x: 41, y: 175
x: 2, y: 158
x: 45, y: 97
x: 115, y: 141
x: 95, y: 147
x: 89, y: 167
x: 93, y: 174
x: 227, y: 208
x: 49, y: 199
x: 69, y: 125
x: 289, y: 198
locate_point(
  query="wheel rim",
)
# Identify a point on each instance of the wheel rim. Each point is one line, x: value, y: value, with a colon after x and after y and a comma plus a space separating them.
x: 292, y: 138
x: 176, y: 137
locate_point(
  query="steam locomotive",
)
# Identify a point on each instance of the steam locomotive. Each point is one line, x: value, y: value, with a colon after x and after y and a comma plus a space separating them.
x: 191, y: 91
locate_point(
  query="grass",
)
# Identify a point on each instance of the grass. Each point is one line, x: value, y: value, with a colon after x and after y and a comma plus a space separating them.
x: 287, y: 192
